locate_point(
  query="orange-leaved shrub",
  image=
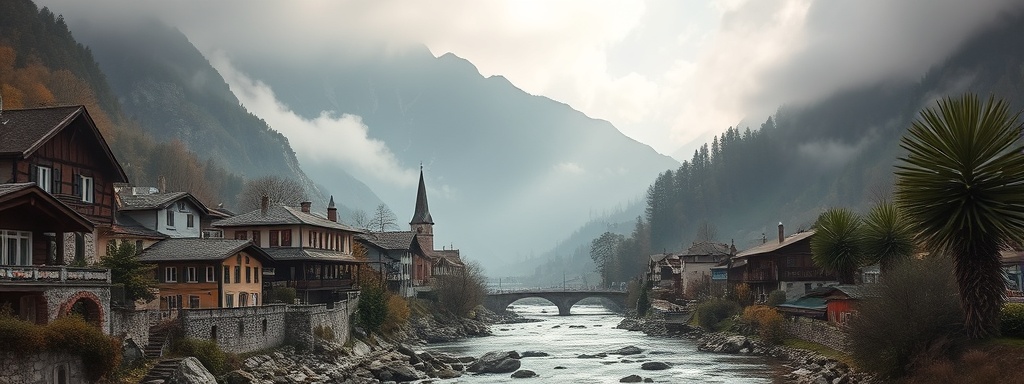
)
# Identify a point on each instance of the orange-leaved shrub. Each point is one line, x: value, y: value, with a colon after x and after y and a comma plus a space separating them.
x: 767, y: 321
x: 398, y: 313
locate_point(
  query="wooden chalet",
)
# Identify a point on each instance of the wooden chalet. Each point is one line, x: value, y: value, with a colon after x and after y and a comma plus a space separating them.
x: 391, y: 254
x: 783, y: 265
x: 836, y: 304
x: 62, y: 151
x: 34, y: 283
x: 208, y: 273
x: 310, y: 253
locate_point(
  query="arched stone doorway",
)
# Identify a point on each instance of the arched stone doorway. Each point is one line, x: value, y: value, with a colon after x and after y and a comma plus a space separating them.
x: 85, y: 305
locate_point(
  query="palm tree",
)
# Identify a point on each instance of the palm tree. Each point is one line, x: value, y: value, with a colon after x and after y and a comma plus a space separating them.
x: 836, y: 246
x: 962, y: 186
x: 886, y: 236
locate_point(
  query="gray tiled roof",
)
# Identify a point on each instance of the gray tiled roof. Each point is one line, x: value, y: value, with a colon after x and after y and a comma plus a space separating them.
x: 281, y: 215
x: 150, y: 201
x: 771, y: 246
x: 199, y: 249
x: 14, y: 187
x: 706, y: 248
x: 295, y: 253
x: 394, y: 240
x: 125, y: 225
x: 26, y: 129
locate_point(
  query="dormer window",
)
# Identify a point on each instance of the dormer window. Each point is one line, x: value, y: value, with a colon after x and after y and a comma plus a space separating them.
x: 170, y: 217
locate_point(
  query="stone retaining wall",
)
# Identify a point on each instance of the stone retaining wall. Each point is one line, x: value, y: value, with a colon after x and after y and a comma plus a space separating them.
x: 248, y: 329
x: 817, y: 331
x: 40, y: 368
x: 130, y: 324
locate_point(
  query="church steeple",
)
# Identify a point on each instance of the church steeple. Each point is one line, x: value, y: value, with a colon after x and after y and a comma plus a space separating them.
x: 422, y: 224
x: 422, y: 213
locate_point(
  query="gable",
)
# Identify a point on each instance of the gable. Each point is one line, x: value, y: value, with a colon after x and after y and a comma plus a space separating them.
x: 64, y: 133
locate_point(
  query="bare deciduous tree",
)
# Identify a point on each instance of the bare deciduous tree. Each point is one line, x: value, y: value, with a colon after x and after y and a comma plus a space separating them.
x: 360, y: 219
x: 383, y: 219
x: 706, y: 233
x: 462, y: 290
x: 280, y: 191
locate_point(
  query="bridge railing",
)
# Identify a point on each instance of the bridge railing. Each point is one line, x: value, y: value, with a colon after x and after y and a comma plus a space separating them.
x: 554, y: 289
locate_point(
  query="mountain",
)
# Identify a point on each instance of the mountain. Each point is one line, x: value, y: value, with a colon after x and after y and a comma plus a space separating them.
x: 508, y: 172
x: 165, y: 83
x: 835, y: 152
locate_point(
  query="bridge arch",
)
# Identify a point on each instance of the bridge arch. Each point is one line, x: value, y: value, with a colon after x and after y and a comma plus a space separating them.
x: 564, y: 300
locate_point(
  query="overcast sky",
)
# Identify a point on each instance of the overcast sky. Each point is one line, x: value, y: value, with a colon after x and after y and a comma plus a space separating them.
x: 665, y: 73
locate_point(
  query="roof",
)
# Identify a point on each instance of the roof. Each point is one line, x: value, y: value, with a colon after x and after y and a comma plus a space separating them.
x: 806, y: 303
x: 449, y: 255
x: 15, y: 195
x: 772, y: 246
x: 142, y: 202
x: 200, y: 250
x: 838, y: 292
x: 125, y: 225
x: 708, y: 248
x: 295, y: 253
x: 26, y: 130
x: 281, y: 215
x: 394, y: 240
x: 422, y: 213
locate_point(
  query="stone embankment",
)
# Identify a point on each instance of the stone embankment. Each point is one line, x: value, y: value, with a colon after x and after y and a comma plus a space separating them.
x: 799, y: 366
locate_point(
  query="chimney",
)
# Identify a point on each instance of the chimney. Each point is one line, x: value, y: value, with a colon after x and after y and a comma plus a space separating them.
x: 782, y: 233
x: 162, y: 184
x: 264, y: 204
x: 305, y: 206
x: 332, y: 211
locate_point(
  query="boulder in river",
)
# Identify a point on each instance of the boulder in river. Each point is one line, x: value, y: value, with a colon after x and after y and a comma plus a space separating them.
x: 594, y: 356
x: 631, y: 379
x: 523, y: 374
x: 496, y: 362
x: 191, y: 371
x: 654, y: 366
x: 628, y: 350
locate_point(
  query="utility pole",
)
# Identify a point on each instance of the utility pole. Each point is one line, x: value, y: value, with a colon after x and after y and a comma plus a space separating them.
x: 563, y: 280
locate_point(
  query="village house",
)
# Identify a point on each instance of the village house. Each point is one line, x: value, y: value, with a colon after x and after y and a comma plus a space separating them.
x: 61, y: 150
x: 34, y: 282
x: 784, y: 265
x: 836, y: 304
x: 663, y: 271
x: 145, y: 216
x: 208, y: 273
x: 408, y: 258
x: 311, y: 254
x: 696, y: 263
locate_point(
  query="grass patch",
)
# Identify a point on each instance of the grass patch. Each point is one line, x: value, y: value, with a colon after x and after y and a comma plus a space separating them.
x: 819, y: 349
x: 1012, y: 342
x: 724, y: 325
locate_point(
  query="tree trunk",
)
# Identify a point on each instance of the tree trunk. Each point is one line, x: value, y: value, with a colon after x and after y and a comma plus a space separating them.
x: 979, y: 276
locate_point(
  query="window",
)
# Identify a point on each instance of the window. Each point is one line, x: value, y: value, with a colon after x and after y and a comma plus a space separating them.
x: 190, y: 220
x: 193, y: 301
x: 286, y: 238
x: 227, y: 275
x: 210, y: 275
x: 229, y: 300
x: 264, y: 325
x: 274, y: 238
x: 247, y: 260
x: 256, y: 238
x: 138, y: 247
x: 807, y: 287
x: 190, y: 275
x: 241, y: 235
x: 311, y: 236
x: 173, y: 302
x: 256, y: 274
x: 86, y: 188
x: 60, y: 374
x: 15, y: 248
x: 213, y: 332
x: 44, y: 178
x: 255, y: 299
x: 181, y: 206
x: 248, y: 275
x: 170, y: 217
x: 238, y: 274
x: 243, y: 299
x: 171, y: 274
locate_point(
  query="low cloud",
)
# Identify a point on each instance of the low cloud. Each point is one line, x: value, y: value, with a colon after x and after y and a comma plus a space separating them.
x: 570, y: 168
x: 327, y: 139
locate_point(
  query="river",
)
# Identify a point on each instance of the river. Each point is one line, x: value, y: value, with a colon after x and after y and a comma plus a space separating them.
x: 554, y: 336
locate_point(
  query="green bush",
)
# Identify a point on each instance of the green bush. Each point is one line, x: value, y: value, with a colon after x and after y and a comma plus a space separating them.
x: 20, y: 336
x: 909, y: 320
x: 1012, y: 319
x: 643, y: 304
x: 714, y: 311
x: 206, y: 351
x: 100, y: 354
x: 776, y: 297
x: 284, y: 295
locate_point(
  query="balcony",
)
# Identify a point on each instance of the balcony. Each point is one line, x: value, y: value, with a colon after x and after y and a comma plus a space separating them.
x: 761, y: 275
x: 319, y: 284
x: 788, y: 274
x: 35, y: 275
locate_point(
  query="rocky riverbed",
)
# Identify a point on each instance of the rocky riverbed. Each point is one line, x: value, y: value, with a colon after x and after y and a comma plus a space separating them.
x: 799, y: 366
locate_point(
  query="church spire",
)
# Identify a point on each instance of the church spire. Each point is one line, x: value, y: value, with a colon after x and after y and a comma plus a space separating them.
x: 422, y: 213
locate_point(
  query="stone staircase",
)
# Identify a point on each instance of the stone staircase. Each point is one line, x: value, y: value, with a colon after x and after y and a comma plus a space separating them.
x: 157, y: 337
x: 161, y: 371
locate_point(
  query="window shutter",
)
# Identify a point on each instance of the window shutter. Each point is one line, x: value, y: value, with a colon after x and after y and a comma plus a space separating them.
x: 76, y: 184
x: 33, y: 173
x: 56, y: 181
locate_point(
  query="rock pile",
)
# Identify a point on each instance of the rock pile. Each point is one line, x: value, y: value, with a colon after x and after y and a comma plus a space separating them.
x: 806, y: 366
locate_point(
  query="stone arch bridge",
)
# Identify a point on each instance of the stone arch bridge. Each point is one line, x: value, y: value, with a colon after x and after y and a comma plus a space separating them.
x: 564, y: 300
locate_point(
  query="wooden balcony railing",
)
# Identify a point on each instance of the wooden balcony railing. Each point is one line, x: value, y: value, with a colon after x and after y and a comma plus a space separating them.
x: 315, y: 284
x: 53, y: 275
x: 757, y: 275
